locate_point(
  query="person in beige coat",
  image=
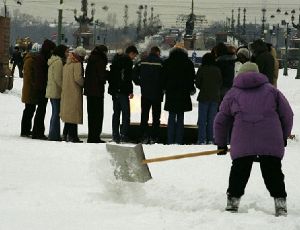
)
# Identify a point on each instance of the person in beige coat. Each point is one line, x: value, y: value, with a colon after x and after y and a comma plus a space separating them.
x: 71, y: 108
x: 53, y: 90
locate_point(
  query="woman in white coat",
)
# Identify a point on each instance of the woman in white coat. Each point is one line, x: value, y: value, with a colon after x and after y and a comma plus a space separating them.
x: 54, y: 86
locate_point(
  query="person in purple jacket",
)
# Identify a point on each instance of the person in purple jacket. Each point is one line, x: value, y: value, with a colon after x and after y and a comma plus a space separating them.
x: 261, y: 120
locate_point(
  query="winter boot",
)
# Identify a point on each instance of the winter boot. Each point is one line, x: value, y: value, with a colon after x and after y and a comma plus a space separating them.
x: 232, y: 204
x: 280, y: 206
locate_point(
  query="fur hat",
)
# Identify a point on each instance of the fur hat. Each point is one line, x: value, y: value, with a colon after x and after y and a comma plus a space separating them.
x: 245, y: 52
x: 80, y: 51
x: 248, y: 67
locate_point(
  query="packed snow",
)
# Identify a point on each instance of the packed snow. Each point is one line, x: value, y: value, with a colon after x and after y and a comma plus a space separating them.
x: 69, y: 186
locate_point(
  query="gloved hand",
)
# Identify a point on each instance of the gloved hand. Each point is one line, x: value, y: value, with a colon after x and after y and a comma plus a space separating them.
x: 285, y: 142
x: 224, y: 150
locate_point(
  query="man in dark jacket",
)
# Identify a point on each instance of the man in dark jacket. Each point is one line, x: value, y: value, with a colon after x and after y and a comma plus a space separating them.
x: 95, y: 78
x: 17, y: 60
x: 263, y: 58
x: 149, y: 76
x: 40, y: 70
x: 121, y: 90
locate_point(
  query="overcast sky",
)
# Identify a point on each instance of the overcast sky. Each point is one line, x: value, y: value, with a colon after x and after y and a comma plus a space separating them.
x: 167, y: 9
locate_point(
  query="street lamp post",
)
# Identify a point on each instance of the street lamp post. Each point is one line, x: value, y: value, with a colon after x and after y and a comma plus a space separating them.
x: 59, y: 26
x: 298, y: 30
x: 285, y: 67
x: 286, y: 39
x: 95, y: 28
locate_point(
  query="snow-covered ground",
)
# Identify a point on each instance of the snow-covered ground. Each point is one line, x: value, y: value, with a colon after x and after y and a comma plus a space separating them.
x: 65, y: 186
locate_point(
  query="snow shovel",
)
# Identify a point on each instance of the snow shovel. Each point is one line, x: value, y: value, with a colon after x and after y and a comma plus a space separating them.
x: 128, y: 163
x: 131, y: 164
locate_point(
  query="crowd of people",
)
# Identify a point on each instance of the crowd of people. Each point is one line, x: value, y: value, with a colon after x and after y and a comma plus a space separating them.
x: 239, y: 103
x: 55, y: 73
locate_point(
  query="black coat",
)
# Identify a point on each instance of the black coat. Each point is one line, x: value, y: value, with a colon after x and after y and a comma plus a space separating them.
x: 17, y: 58
x: 120, y: 77
x: 209, y: 82
x: 179, y: 76
x: 226, y: 63
x: 264, y: 60
x: 148, y: 74
x: 95, y: 75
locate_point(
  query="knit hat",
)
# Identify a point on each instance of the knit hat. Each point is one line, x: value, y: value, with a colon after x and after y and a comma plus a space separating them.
x: 245, y: 52
x: 80, y: 51
x: 248, y: 67
x: 35, y: 48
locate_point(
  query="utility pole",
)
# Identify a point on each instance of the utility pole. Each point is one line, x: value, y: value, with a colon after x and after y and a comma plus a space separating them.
x: 59, y: 26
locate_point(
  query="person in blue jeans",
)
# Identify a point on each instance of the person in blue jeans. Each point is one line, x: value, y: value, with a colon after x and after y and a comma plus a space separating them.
x: 178, y: 84
x: 206, y: 115
x: 209, y: 82
x: 121, y: 90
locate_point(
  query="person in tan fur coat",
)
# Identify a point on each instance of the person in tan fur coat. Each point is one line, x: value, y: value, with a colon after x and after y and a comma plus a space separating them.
x: 71, y: 108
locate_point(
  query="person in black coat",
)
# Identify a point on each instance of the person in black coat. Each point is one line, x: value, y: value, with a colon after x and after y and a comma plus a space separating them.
x: 95, y: 78
x: 121, y: 90
x: 263, y: 58
x: 17, y: 60
x: 148, y: 74
x: 178, y: 77
x: 226, y: 62
x: 208, y: 81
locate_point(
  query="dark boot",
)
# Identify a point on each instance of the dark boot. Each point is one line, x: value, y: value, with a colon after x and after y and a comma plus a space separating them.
x: 232, y: 204
x: 280, y: 206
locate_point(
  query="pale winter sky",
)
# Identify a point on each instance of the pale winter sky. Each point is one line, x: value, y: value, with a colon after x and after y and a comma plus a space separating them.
x: 167, y: 9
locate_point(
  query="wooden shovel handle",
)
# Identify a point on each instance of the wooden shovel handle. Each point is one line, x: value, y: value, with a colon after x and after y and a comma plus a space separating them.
x: 175, y: 157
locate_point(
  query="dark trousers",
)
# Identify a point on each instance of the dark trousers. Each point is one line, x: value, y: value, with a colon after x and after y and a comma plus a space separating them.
x: 271, y: 172
x: 38, y: 129
x: 120, y: 105
x: 95, y: 117
x: 27, y: 116
x: 175, y: 128
x: 146, y: 105
x: 70, y: 132
x: 20, y: 67
x: 54, y: 130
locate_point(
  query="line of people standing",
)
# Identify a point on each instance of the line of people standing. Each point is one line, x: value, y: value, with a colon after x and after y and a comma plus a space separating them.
x: 56, y: 74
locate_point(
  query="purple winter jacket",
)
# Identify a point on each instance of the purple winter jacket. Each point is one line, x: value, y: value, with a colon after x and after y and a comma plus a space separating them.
x: 258, y: 114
